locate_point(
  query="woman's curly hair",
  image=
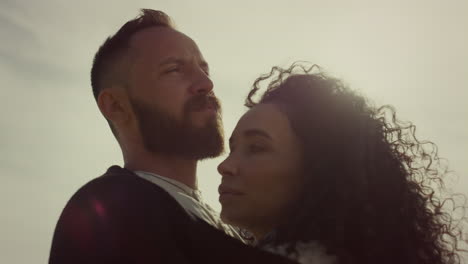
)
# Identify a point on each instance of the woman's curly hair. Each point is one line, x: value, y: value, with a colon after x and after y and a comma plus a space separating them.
x: 373, y: 192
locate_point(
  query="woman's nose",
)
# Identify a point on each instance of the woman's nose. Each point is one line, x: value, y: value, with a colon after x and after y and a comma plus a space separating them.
x: 227, y: 167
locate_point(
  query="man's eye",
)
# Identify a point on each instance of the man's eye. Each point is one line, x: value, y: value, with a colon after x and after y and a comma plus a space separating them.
x: 172, y: 70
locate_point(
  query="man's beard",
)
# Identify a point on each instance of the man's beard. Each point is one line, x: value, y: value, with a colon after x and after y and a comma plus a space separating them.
x: 164, y: 134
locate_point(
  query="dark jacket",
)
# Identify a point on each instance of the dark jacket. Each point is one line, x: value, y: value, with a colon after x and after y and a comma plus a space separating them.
x: 122, y: 218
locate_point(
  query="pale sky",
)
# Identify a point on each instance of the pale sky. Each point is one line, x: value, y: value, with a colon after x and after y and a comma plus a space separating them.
x: 410, y: 54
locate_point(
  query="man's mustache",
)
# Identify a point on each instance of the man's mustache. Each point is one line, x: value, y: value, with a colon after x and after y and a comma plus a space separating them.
x: 202, y: 101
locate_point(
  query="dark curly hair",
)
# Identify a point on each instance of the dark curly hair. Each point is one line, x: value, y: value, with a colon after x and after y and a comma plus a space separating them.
x: 374, y: 193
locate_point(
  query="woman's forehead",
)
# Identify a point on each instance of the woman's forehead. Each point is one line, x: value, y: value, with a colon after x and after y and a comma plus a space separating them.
x: 266, y: 118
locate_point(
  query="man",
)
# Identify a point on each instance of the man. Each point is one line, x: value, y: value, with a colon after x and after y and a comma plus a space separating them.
x: 152, y: 85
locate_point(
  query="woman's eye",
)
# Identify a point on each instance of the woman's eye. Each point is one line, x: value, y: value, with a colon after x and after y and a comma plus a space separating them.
x: 255, y: 148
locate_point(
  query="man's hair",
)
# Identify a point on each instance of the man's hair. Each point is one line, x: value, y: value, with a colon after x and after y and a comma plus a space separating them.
x: 114, y: 49
x: 109, y: 61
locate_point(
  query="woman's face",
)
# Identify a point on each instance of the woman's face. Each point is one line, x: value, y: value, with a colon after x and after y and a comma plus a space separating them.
x: 262, y: 176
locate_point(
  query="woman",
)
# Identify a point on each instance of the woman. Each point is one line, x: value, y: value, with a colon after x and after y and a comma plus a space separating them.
x: 317, y: 174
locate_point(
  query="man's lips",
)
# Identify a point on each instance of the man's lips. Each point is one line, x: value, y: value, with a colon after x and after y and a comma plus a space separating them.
x: 210, y: 107
x: 203, y: 103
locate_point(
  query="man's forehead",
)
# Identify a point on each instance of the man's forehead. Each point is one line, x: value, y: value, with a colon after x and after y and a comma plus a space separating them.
x: 163, y: 40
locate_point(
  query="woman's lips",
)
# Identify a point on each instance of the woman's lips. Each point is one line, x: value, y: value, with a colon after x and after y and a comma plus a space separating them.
x: 226, y: 193
x: 224, y: 189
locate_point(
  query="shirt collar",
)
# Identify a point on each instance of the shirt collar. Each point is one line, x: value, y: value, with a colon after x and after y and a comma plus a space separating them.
x: 171, y: 183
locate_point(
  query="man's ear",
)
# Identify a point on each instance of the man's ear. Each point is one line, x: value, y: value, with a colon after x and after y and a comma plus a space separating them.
x: 114, y: 105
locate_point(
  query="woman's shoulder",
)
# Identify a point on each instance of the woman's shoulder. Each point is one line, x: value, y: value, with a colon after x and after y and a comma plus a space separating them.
x: 304, y: 252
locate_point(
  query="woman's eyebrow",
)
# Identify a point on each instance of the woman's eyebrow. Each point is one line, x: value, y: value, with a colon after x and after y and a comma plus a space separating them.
x: 252, y: 133
x: 256, y: 132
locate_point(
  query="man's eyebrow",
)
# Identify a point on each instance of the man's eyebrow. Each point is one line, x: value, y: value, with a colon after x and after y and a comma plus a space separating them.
x: 252, y: 133
x: 171, y: 60
x: 179, y: 61
x: 205, y: 65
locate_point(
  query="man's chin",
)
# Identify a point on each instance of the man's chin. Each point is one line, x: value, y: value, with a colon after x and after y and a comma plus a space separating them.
x: 205, y: 123
x: 200, y: 120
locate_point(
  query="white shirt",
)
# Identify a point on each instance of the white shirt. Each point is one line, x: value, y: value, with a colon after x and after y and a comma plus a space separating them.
x: 191, y: 200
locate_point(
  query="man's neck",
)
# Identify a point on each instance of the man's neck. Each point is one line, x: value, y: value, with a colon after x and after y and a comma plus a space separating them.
x: 181, y: 170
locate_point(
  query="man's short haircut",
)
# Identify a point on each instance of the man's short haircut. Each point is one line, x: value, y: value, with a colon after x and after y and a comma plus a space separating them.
x: 109, y: 65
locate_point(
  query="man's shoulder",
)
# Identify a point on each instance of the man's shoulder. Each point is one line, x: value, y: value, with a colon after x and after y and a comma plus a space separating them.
x: 117, y: 210
x: 115, y: 177
x: 121, y: 182
x: 120, y: 189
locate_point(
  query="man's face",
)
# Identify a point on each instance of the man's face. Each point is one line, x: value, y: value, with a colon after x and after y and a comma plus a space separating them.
x: 172, y: 95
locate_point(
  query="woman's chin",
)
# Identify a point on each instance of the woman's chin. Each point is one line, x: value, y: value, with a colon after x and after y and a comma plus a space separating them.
x: 224, y: 217
x: 230, y: 218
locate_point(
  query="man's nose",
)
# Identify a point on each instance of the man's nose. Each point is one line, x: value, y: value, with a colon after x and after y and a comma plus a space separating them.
x: 202, y: 83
